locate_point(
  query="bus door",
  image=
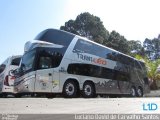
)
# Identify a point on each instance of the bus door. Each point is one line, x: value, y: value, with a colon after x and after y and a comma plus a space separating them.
x: 44, y: 75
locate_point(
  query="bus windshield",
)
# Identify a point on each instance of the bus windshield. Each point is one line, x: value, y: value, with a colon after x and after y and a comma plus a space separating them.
x: 27, y: 63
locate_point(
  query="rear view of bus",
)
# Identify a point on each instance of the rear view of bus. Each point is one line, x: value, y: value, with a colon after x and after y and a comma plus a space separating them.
x: 6, y: 80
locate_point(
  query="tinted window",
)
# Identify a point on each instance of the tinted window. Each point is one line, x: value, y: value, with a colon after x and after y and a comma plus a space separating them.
x: 3, y: 66
x: 97, y: 71
x: 28, y: 61
x: 119, y: 75
x: 55, y: 36
x: 49, y: 57
x: 84, y: 46
x: 142, y: 65
x: 138, y: 65
x: 94, y: 49
x: 146, y: 81
x: 16, y: 61
x: 45, y: 63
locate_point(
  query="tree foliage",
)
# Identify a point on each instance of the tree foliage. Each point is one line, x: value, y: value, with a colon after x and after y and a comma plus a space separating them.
x: 152, y: 48
x: 135, y: 46
x: 118, y: 42
x: 87, y: 25
x: 152, y: 70
x: 92, y: 27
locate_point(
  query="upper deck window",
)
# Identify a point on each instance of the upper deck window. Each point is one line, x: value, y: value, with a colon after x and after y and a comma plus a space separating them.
x: 94, y: 49
x: 55, y: 36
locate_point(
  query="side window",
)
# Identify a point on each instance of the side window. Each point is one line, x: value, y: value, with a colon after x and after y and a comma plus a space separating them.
x: 91, y: 48
x: 49, y: 58
x: 111, y: 55
x: 118, y: 75
x: 57, y: 58
x: 137, y: 65
x: 16, y: 61
x: 131, y: 62
x: 90, y: 70
x: 45, y: 63
x: 83, y: 46
x: 2, y: 68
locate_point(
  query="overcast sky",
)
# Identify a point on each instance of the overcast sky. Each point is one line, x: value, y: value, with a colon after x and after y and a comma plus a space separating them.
x: 22, y: 20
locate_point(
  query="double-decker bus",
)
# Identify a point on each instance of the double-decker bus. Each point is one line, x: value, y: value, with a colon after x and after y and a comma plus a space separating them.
x: 62, y: 62
x: 7, y: 80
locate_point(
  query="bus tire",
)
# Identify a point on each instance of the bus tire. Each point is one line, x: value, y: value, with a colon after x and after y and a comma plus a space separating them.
x: 88, y: 90
x: 133, y: 92
x: 70, y: 89
x: 140, y: 92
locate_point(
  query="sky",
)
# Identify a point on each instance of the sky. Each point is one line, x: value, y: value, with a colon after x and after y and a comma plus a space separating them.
x: 22, y: 20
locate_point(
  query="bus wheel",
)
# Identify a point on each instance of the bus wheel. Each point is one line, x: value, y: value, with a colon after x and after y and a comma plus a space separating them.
x: 133, y: 92
x: 88, y: 90
x: 140, y: 92
x: 70, y: 89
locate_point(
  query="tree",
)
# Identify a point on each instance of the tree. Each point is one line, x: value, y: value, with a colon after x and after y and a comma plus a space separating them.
x: 136, y: 48
x: 148, y: 47
x: 118, y: 42
x: 92, y: 27
x: 156, y: 44
x: 70, y: 27
x: 152, y: 48
x: 152, y: 70
x: 89, y: 26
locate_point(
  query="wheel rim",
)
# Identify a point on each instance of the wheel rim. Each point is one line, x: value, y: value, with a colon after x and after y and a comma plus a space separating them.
x: 69, y: 89
x: 88, y: 90
x: 139, y: 91
x: 133, y: 92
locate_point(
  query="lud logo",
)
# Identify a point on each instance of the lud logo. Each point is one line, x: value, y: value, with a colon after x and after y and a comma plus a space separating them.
x: 150, y: 106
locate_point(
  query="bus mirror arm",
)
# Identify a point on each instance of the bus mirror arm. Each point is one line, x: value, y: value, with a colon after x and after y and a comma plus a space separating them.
x: 11, y: 73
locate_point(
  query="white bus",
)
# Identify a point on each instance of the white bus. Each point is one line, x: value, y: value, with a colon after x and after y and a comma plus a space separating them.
x: 61, y: 62
x: 6, y: 80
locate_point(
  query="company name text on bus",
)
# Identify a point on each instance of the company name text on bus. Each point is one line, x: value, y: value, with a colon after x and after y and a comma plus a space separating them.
x: 91, y: 59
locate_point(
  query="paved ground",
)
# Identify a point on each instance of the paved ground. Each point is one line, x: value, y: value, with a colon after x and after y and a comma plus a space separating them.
x: 76, y: 105
x: 155, y: 93
x: 80, y: 105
